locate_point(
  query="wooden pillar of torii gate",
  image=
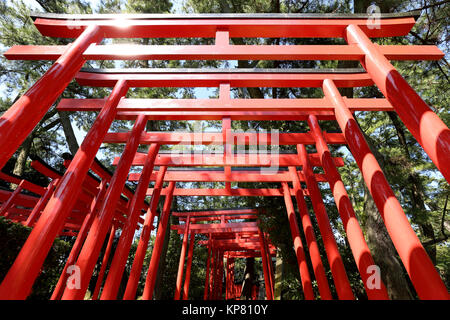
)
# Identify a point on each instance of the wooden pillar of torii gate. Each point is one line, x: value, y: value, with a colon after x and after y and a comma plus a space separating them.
x: 51, y: 212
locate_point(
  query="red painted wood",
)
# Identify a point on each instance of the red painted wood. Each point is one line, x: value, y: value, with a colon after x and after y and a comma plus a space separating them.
x: 207, y: 28
x: 239, y: 160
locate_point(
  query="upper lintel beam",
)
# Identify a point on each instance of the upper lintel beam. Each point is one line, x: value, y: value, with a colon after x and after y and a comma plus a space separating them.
x: 215, y: 212
x: 238, y: 25
x: 236, y: 160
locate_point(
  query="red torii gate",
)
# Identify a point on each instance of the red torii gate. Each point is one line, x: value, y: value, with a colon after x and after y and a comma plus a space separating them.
x: 244, y: 238
x: 18, y: 121
x: 25, y: 209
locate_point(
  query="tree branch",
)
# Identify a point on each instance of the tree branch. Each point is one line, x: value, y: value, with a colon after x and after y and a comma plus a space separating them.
x: 444, y: 236
x: 68, y: 132
x: 432, y: 5
x: 50, y: 125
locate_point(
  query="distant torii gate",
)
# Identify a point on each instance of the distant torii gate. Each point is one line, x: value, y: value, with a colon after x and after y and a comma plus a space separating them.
x: 89, y: 30
x: 244, y: 239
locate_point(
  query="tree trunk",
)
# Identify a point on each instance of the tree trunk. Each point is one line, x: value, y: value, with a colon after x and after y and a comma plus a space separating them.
x: 384, y: 253
x: 378, y: 240
x: 381, y: 246
x: 278, y: 276
x: 19, y: 166
x: 415, y: 189
x: 68, y: 132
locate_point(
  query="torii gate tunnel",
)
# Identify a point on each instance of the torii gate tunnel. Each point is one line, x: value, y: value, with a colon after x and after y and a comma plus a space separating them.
x: 228, y: 240
x: 79, y: 204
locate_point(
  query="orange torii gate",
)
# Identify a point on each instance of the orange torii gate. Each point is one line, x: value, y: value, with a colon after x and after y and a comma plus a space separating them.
x: 89, y: 30
x: 243, y: 238
x: 26, y: 209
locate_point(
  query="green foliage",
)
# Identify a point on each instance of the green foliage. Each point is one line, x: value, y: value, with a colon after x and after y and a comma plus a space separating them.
x: 12, y: 238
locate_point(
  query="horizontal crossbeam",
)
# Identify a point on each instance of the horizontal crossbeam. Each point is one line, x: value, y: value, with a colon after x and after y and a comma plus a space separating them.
x: 245, y: 160
x: 214, y: 77
x: 232, y: 243
x: 215, y: 212
x: 245, y: 254
x: 233, y: 115
x: 236, y: 138
x: 220, y: 176
x: 229, y: 52
x: 239, y: 192
x: 219, y: 227
x: 225, y: 217
x: 213, y: 105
